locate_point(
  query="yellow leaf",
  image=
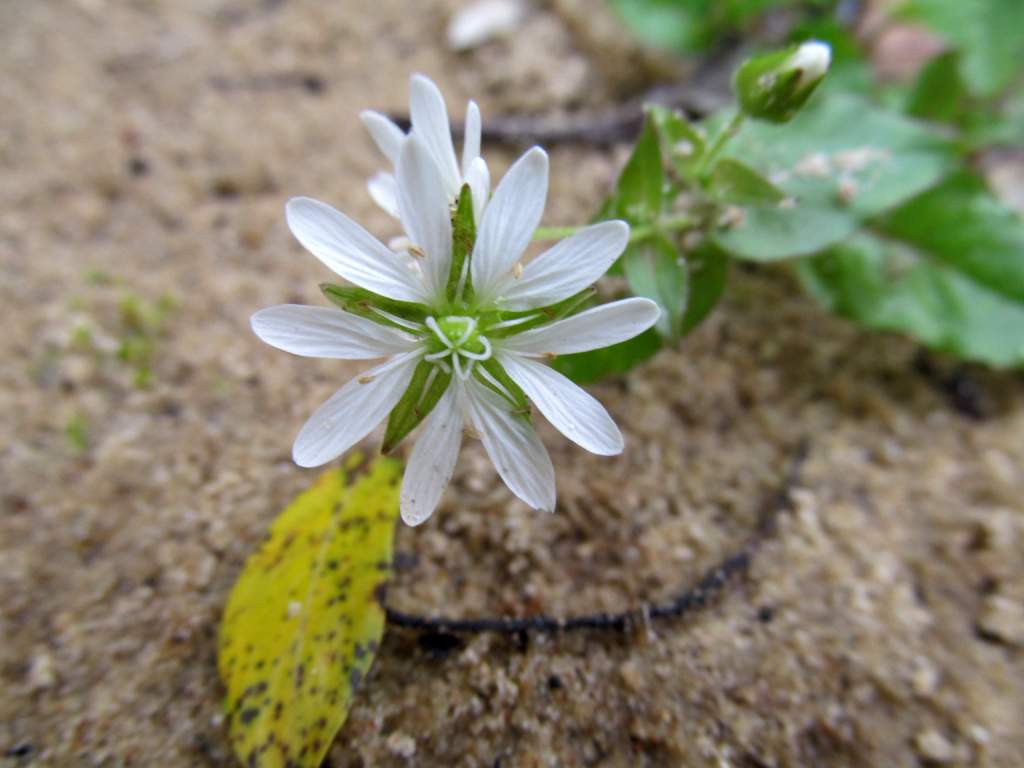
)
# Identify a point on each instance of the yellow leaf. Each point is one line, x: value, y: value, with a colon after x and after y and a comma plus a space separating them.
x: 305, y: 617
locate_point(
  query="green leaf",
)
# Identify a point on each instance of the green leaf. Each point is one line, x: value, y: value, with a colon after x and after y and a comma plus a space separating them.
x: 986, y: 32
x: 586, y: 367
x: 946, y: 269
x: 668, y: 24
x: 656, y: 271
x: 960, y: 224
x: 691, y: 25
x: 840, y: 162
x: 707, y: 274
x: 736, y: 182
x: 428, y: 383
x: 463, y: 237
x: 638, y: 192
x: 939, y: 93
x: 304, y: 620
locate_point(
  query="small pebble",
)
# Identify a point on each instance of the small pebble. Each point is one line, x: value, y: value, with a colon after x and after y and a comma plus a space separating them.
x: 933, y: 746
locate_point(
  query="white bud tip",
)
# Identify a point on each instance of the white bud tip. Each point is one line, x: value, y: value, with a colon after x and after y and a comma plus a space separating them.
x: 480, y: 21
x: 813, y: 58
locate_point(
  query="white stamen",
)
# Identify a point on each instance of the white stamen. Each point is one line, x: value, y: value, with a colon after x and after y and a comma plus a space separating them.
x: 432, y: 325
x: 430, y: 379
x: 485, y: 355
x: 412, y: 326
x: 516, y: 321
x: 497, y: 384
x: 435, y: 356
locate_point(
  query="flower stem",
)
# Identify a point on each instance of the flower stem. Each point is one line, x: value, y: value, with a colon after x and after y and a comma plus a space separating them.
x: 554, y: 233
x: 724, y: 136
x: 636, y: 234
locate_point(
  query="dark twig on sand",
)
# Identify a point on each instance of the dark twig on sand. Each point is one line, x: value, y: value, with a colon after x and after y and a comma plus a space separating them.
x: 690, y: 599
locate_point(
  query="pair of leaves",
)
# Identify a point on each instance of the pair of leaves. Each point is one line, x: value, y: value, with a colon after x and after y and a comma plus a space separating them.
x: 947, y: 269
x: 839, y: 163
x: 304, y: 620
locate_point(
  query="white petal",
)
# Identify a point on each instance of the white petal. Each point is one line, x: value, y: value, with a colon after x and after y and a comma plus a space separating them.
x: 470, y: 137
x: 517, y: 452
x: 570, y: 409
x: 479, y: 180
x: 351, y: 251
x: 432, y: 459
x: 353, y: 411
x: 567, y: 268
x: 426, y: 217
x: 509, y: 221
x: 430, y: 123
x: 328, y: 332
x: 385, y: 134
x: 595, y: 328
x: 384, y: 191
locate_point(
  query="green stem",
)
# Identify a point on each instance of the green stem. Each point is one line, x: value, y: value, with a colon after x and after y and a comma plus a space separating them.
x: 555, y: 233
x: 636, y: 234
x: 724, y: 136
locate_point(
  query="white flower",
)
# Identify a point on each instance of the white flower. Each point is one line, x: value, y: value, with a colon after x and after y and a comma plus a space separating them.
x: 429, y: 118
x: 468, y: 343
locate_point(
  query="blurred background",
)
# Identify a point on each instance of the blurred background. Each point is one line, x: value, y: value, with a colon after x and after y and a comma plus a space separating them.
x: 146, y: 151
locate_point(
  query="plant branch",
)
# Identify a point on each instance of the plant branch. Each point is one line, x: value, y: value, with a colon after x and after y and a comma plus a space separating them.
x: 690, y: 599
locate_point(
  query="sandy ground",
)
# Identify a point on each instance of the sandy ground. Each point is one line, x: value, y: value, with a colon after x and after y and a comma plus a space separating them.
x: 146, y: 151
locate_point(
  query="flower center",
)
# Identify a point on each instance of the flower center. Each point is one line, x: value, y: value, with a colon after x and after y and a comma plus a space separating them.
x: 460, y: 341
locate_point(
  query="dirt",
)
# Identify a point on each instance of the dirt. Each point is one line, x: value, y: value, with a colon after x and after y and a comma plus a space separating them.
x: 146, y: 153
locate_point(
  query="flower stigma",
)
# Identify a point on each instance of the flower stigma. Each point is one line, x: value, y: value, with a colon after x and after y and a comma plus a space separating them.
x: 461, y: 341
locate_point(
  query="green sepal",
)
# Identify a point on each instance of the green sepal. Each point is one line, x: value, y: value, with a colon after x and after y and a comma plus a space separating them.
x: 463, y: 238
x: 417, y: 402
x: 545, y: 315
x: 518, y: 400
x: 359, y: 301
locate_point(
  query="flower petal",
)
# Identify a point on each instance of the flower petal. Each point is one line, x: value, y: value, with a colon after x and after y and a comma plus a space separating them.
x: 384, y: 191
x: 479, y: 180
x: 595, y: 328
x: 470, y: 137
x: 509, y: 221
x: 355, y: 409
x: 569, y: 408
x: 351, y: 251
x: 430, y: 123
x: 385, y: 134
x: 567, y: 268
x: 426, y: 217
x: 328, y: 332
x: 517, y: 452
x: 432, y: 459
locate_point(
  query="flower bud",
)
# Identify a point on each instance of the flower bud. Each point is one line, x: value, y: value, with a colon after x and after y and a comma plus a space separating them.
x: 774, y: 86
